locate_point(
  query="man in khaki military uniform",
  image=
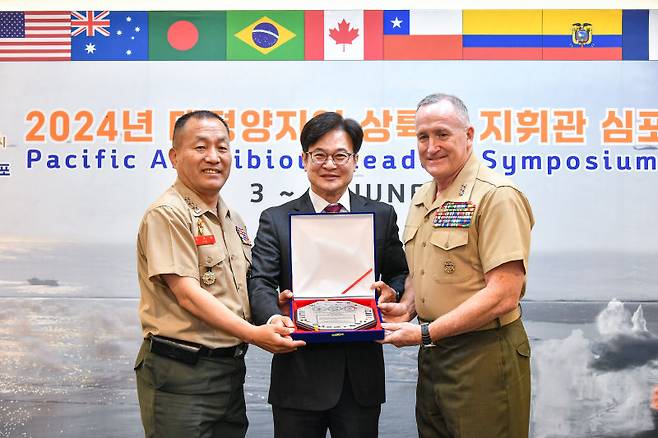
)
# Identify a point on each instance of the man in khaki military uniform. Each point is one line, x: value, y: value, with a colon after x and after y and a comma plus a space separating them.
x: 467, y: 240
x: 193, y: 258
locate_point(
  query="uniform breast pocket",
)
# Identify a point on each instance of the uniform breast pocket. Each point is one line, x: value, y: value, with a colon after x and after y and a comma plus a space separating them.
x: 210, y: 255
x: 450, y: 250
x: 211, y: 261
x: 409, y: 233
x: 409, y: 240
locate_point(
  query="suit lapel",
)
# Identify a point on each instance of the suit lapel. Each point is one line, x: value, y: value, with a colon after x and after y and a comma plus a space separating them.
x: 304, y: 204
x: 358, y: 204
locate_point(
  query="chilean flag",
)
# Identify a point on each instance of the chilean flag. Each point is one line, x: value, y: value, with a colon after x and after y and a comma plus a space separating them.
x: 423, y: 34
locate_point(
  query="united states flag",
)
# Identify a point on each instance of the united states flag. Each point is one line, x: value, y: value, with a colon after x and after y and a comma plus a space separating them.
x: 35, y: 36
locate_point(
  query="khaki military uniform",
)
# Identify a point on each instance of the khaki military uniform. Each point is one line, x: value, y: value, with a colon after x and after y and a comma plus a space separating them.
x: 180, y: 235
x: 475, y: 384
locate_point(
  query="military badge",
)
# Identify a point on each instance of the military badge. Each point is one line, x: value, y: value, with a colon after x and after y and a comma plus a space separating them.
x: 454, y: 214
x: 243, y: 235
x: 208, y: 277
x: 581, y: 34
x: 202, y: 238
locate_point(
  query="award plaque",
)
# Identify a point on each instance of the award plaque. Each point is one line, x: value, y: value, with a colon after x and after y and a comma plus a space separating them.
x: 335, y: 315
x: 332, y: 264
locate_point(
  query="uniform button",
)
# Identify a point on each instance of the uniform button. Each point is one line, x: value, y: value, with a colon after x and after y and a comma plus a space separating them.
x: 422, y: 272
x: 424, y: 244
x: 422, y: 300
x: 232, y: 257
x: 208, y: 259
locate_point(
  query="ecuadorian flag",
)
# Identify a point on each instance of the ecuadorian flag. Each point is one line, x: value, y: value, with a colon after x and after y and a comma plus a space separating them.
x: 582, y: 34
x: 502, y: 34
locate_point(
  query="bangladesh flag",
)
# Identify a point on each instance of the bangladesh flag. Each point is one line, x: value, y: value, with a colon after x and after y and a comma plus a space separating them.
x: 185, y: 35
x: 265, y: 35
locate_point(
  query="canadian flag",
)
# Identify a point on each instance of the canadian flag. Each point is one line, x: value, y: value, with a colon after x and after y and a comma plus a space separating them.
x: 352, y: 35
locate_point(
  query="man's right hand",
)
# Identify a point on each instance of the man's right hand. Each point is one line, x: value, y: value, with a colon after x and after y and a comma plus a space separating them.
x: 275, y: 338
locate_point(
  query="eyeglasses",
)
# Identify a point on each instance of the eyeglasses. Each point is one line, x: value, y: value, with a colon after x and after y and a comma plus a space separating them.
x: 320, y: 157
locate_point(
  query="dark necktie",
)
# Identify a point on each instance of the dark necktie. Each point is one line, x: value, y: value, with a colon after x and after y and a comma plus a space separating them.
x: 332, y: 208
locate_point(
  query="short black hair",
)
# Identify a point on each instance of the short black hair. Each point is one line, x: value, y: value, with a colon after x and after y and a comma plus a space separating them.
x: 199, y: 114
x: 323, y: 123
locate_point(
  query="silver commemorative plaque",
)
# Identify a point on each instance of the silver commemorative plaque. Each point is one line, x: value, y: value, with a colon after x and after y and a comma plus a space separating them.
x: 335, y: 315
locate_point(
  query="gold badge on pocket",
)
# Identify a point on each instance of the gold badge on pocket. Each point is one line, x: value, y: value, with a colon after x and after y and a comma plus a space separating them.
x: 208, y: 277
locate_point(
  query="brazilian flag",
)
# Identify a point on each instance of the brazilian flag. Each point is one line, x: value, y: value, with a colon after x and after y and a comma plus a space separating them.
x: 187, y: 35
x: 265, y: 35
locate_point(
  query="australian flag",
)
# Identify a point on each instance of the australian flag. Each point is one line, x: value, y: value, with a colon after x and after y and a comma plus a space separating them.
x: 109, y: 36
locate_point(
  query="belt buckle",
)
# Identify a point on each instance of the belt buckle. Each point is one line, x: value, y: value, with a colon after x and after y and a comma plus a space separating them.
x: 240, y: 350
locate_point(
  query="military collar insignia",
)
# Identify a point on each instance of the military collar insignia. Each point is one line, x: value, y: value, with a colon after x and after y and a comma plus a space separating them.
x: 195, y: 208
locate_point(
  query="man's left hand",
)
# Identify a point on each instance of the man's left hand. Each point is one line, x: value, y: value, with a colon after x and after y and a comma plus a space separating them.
x: 395, y: 312
x: 402, y: 334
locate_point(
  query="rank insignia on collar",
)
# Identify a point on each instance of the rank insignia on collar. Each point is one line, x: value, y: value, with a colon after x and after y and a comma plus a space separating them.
x: 454, y: 214
x: 243, y: 235
x: 195, y: 208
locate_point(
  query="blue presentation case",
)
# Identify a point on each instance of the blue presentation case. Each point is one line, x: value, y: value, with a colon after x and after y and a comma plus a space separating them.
x: 332, y: 257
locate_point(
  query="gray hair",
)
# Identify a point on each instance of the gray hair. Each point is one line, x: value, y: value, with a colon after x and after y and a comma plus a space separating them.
x: 457, y: 104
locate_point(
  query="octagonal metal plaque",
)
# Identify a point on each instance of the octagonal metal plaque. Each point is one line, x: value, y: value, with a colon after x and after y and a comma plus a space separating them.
x: 335, y: 315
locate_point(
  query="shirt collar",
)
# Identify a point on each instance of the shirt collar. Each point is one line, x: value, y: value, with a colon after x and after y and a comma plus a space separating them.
x: 459, y: 190
x: 320, y: 203
x: 195, y: 203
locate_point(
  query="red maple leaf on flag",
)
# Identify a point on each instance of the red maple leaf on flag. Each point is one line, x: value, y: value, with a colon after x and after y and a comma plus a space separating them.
x: 344, y: 35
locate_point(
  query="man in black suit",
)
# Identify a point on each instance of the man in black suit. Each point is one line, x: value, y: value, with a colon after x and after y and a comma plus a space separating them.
x: 337, y: 386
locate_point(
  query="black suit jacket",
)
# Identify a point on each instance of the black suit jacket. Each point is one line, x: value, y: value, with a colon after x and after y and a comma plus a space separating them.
x: 311, y: 378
